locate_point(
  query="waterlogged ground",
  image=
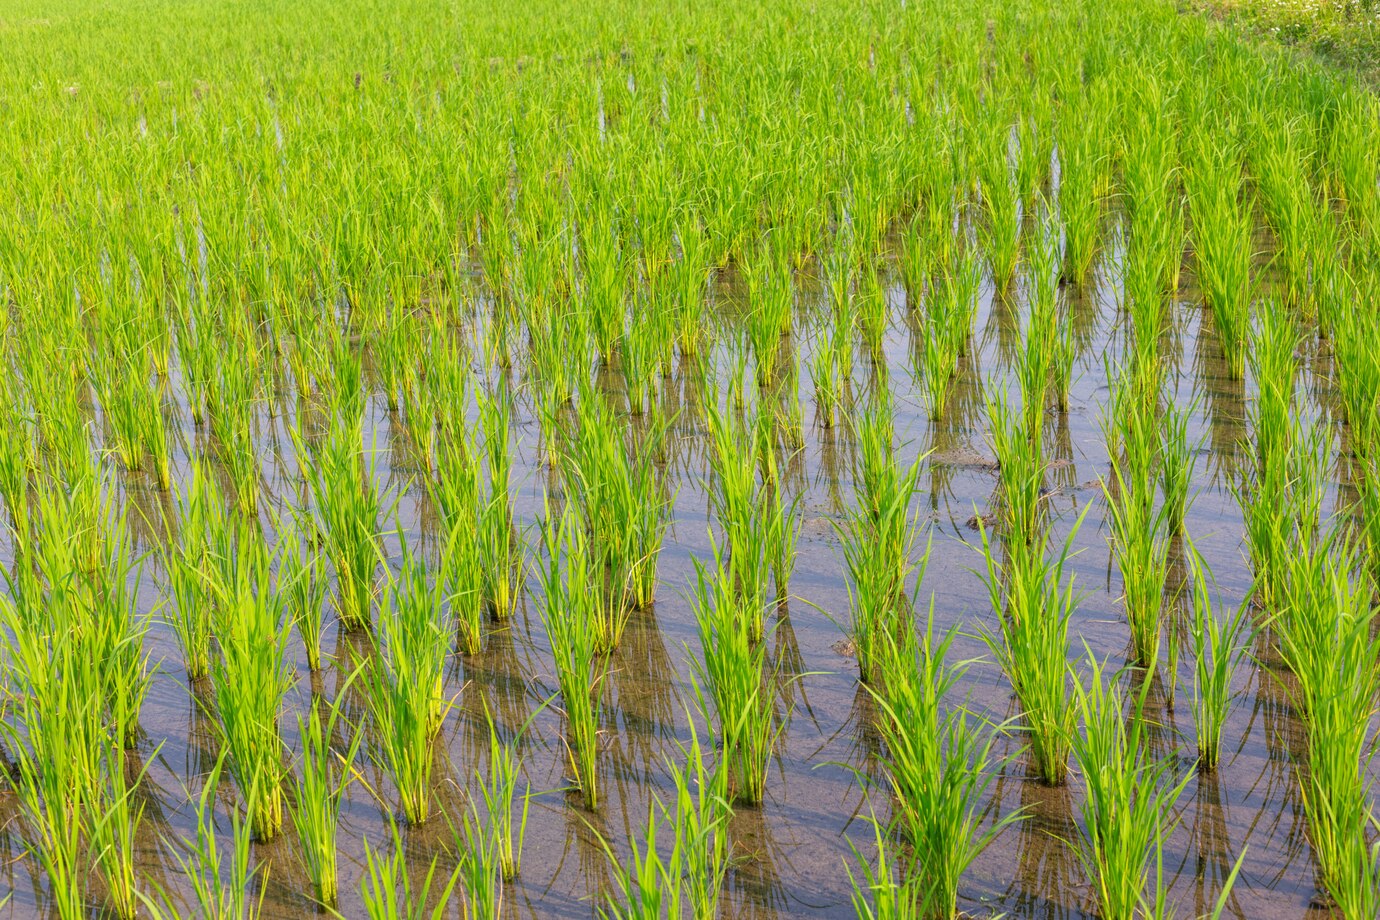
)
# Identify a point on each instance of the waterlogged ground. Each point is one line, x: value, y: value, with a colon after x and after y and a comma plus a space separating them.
x: 288, y: 140
x: 791, y: 854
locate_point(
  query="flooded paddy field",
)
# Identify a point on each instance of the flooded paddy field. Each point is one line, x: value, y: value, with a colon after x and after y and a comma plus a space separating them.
x: 893, y: 460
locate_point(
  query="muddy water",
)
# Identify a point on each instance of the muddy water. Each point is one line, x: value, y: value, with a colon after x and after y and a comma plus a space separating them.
x: 791, y: 853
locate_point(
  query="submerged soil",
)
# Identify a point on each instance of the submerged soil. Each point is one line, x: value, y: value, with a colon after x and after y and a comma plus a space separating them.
x: 791, y: 853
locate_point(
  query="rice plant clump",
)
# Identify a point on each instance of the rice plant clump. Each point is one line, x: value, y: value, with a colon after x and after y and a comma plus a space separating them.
x: 1327, y: 641
x: 623, y: 505
x: 732, y: 676
x: 325, y: 774
x: 687, y: 876
x: 1129, y: 797
x: 578, y: 625
x: 881, y: 550
x: 251, y: 678
x: 940, y: 763
x: 1219, y: 645
x: 1034, y: 603
x: 759, y: 526
x: 404, y: 684
x: 348, y: 510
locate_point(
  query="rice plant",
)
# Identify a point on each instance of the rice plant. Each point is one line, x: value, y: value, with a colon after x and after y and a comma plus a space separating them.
x: 1127, y: 805
x: 319, y: 792
x: 500, y: 562
x: 389, y: 891
x: 623, y: 505
x: 828, y: 386
x: 1085, y: 160
x: 1326, y: 640
x: 113, y: 827
x: 944, y: 334
x: 499, y: 791
x: 731, y: 676
x: 1287, y: 200
x: 1140, y: 544
x: 872, y: 312
x: 1274, y: 363
x: 1143, y: 295
x: 348, y: 512
x: 841, y: 344
x: 645, y: 882
x: 880, y: 545
x: 1041, y: 270
x: 689, y: 878
x: 1177, y: 465
x: 759, y: 528
x: 575, y: 615
x: 113, y: 630
x: 222, y: 884
x: 461, y: 573
x: 771, y: 310
x: 1219, y: 645
x: 1034, y: 602
x: 940, y: 764
x: 480, y: 866
x: 404, y: 684
x: 201, y: 522
x: 1358, y: 379
x: 56, y: 755
x: 250, y: 680
x: 1034, y: 365
x: 301, y: 582
x: 880, y: 894
x: 1063, y: 358
x: 122, y: 399
x: 17, y: 461
x: 1222, y: 246
x: 456, y: 492
x: 231, y: 399
x: 780, y: 529
x: 1000, y: 228
x: 700, y: 813
x: 1264, y: 496
x: 1020, y: 469
x: 1368, y: 507
x: 690, y: 275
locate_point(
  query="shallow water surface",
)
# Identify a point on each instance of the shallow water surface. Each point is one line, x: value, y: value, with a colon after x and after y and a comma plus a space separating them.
x: 791, y: 853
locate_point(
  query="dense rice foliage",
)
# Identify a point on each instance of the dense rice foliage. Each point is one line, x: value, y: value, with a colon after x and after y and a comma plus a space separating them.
x: 430, y: 426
